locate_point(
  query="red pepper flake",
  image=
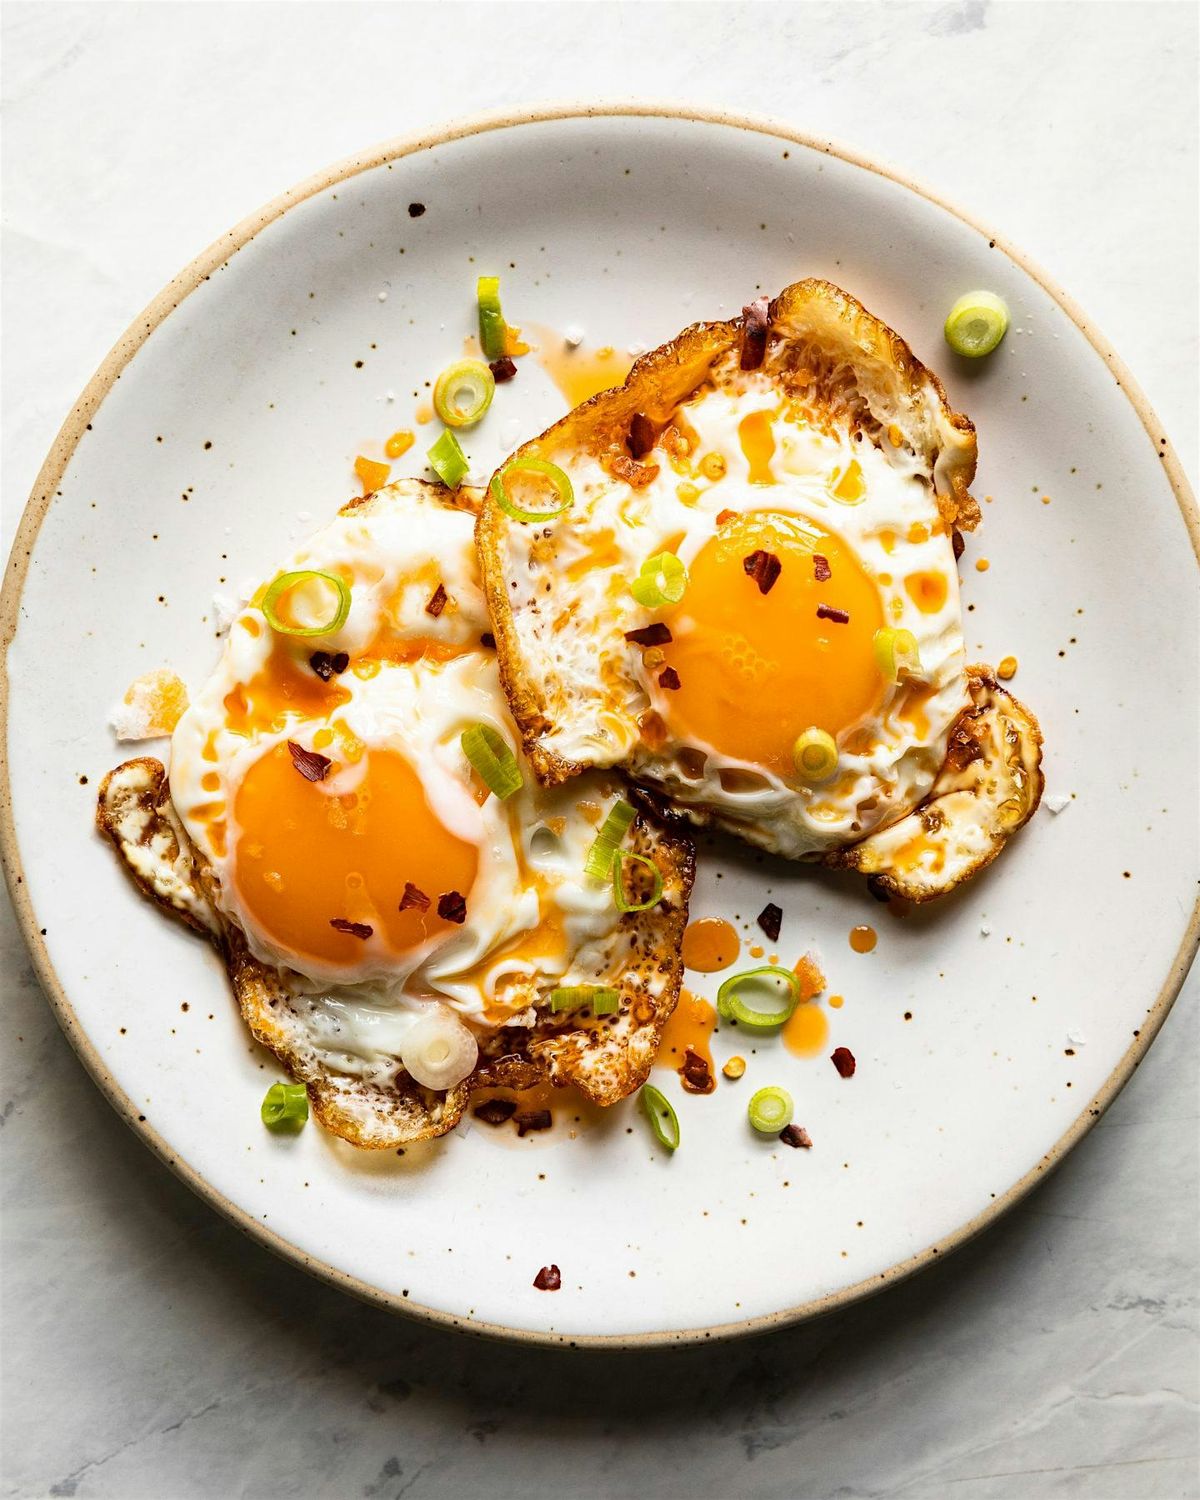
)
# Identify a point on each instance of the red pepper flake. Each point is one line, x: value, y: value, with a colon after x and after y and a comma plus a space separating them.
x: 495, y: 1111
x: 956, y: 541
x: 726, y: 515
x: 548, y: 1279
x: 533, y: 1119
x: 452, y: 907
x: 352, y: 929
x: 649, y: 635
x: 795, y: 1135
x: 437, y: 603
x: 755, y: 322
x: 821, y: 569
x: 764, y: 568
x: 695, y: 1073
x: 838, y: 616
x: 635, y: 474
x: 668, y: 678
x: 770, y: 919
x: 843, y: 1060
x: 413, y: 898
x: 641, y: 435
x: 312, y: 767
x: 488, y: 640
x: 502, y: 369
x: 326, y: 666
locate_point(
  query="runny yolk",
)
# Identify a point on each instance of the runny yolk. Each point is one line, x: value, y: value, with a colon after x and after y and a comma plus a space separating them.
x: 756, y: 670
x: 758, y: 444
x: 305, y: 855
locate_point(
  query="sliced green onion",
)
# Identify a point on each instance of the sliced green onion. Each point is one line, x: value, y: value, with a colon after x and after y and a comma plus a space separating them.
x: 815, y: 755
x: 493, y: 330
x: 662, y: 580
x: 330, y: 591
x: 896, y: 652
x: 463, y: 392
x: 976, y: 324
x: 552, y: 472
x: 732, y: 1004
x: 599, y: 859
x: 285, y: 1106
x: 492, y: 758
x: 623, y: 857
x: 661, y: 1113
x: 448, y: 461
x: 603, y: 1000
x: 770, y: 1110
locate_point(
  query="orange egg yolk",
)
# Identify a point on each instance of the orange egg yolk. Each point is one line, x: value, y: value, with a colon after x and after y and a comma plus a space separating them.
x: 305, y: 856
x: 755, y: 670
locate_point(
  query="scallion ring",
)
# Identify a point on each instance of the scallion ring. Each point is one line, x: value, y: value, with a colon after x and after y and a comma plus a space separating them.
x: 661, y: 1113
x: 308, y: 594
x: 492, y: 758
x: 560, y: 481
x: 463, y: 392
x: 733, y: 1005
x: 493, y: 330
x: 662, y: 580
x: 976, y: 324
x: 770, y: 1110
x: 285, y: 1106
x: 448, y: 461
x: 623, y: 857
x: 896, y: 652
x: 601, y: 998
x: 815, y: 755
x: 598, y: 863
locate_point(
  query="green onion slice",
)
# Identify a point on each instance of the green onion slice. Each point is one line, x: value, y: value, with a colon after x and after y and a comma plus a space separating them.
x: 661, y: 1113
x: 976, y: 324
x: 493, y: 330
x: 285, y: 1106
x: 733, y: 1005
x: 662, y: 580
x: 770, y: 1110
x: 492, y: 758
x: 896, y: 652
x: 603, y: 1000
x: 623, y: 857
x: 309, y: 595
x: 815, y: 755
x: 560, y: 481
x: 599, y: 859
x: 463, y: 392
x: 448, y: 461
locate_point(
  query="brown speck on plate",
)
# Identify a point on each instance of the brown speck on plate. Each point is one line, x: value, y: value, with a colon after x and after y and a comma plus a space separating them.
x: 548, y: 1279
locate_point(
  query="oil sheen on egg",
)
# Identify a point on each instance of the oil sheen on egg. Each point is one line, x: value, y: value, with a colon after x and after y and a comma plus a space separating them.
x: 378, y: 875
x: 861, y: 547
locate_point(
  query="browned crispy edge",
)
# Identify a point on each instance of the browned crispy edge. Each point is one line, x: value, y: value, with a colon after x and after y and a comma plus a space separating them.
x: 655, y: 386
x: 985, y: 693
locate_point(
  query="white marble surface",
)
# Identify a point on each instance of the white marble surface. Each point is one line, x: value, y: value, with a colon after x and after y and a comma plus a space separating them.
x: 150, y: 1351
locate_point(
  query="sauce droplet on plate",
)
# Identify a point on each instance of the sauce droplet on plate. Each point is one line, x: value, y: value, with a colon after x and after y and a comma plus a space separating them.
x: 863, y: 939
x: 710, y: 944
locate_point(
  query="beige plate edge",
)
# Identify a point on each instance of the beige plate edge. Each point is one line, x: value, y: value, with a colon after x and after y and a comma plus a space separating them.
x: 48, y: 481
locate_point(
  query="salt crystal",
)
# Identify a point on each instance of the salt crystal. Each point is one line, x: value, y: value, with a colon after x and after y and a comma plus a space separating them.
x: 1057, y: 802
x: 573, y: 336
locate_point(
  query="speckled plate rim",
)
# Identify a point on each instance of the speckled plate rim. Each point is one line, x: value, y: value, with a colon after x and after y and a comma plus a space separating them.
x: 51, y: 475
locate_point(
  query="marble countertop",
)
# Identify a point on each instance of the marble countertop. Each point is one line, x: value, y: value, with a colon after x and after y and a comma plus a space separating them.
x: 148, y: 1349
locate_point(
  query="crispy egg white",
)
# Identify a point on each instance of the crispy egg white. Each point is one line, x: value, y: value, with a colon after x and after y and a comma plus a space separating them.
x: 314, y: 872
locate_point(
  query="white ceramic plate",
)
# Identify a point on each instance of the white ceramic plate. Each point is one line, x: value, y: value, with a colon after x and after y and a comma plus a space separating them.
x: 224, y: 425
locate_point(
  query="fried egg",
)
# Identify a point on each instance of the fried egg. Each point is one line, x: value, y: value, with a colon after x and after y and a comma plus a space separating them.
x: 813, y: 500
x: 354, y: 859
